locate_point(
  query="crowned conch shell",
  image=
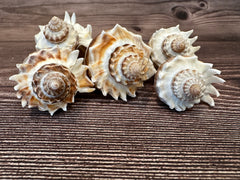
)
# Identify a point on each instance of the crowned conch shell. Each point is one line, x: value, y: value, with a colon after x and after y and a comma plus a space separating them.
x: 50, y: 78
x: 119, y: 62
x: 182, y: 82
x: 170, y: 42
x: 64, y: 33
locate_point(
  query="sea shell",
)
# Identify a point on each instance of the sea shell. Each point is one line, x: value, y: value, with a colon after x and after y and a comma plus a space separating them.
x: 64, y: 33
x: 50, y: 78
x: 119, y: 62
x: 182, y: 82
x: 84, y: 34
x: 170, y: 42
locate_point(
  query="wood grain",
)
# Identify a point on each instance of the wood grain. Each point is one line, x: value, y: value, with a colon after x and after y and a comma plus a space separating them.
x: 100, y: 138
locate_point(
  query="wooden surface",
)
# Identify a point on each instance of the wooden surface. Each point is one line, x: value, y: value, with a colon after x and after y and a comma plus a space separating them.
x: 100, y: 138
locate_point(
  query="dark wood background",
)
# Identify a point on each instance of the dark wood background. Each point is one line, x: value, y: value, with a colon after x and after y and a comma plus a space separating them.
x: 99, y: 137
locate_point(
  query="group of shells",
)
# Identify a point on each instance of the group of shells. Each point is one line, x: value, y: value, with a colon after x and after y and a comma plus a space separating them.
x: 67, y: 60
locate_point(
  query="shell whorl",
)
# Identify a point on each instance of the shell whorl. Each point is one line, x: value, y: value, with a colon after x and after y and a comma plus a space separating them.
x: 53, y: 83
x: 50, y: 78
x: 188, y: 84
x: 64, y: 33
x: 134, y: 68
x: 182, y: 82
x: 170, y: 42
x: 119, y: 62
x: 178, y: 45
x: 175, y: 44
x: 56, y: 31
x: 128, y: 64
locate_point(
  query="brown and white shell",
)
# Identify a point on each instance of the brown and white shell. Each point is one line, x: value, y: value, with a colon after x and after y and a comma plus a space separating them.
x: 119, y: 62
x: 64, y: 33
x: 170, y: 42
x: 50, y: 78
x: 182, y: 82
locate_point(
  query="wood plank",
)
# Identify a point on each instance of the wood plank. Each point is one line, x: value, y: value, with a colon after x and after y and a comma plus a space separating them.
x: 138, y: 16
x: 100, y: 138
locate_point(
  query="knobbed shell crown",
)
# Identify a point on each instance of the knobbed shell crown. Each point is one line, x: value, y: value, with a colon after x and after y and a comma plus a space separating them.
x: 50, y: 78
x: 64, y: 33
x: 170, y: 42
x: 182, y: 82
x: 119, y: 62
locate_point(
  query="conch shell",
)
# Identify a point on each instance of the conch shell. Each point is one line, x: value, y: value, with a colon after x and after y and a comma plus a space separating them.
x: 170, y: 42
x: 119, y: 62
x: 50, y: 78
x: 84, y: 34
x: 182, y: 82
x: 64, y: 33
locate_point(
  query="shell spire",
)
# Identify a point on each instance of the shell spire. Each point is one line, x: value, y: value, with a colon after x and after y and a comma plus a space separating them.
x: 56, y: 31
x: 64, y: 33
x: 170, y: 42
x: 50, y: 78
x: 184, y: 81
x: 119, y: 62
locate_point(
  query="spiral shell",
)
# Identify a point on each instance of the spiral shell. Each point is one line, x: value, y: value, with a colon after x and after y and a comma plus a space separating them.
x: 50, y: 78
x: 64, y: 33
x: 84, y: 34
x: 170, y: 42
x: 182, y: 82
x: 119, y: 62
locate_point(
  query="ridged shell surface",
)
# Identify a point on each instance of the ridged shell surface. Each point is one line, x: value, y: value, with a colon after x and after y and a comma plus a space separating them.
x: 50, y: 78
x: 170, y: 42
x: 64, y: 33
x: 182, y: 82
x: 119, y: 62
x: 84, y: 34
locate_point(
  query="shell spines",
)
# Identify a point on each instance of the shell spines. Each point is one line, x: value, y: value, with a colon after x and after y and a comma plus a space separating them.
x: 185, y: 81
x: 64, y: 33
x: 119, y: 62
x: 170, y: 42
x: 50, y: 78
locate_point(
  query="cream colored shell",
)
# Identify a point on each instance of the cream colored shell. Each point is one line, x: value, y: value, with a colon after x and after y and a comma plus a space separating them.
x: 182, y: 82
x: 119, y: 62
x: 50, y: 78
x: 64, y: 33
x: 84, y: 34
x: 170, y: 42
